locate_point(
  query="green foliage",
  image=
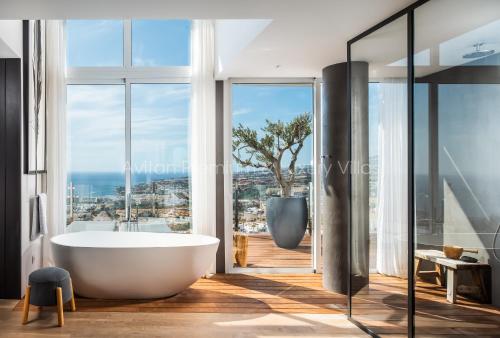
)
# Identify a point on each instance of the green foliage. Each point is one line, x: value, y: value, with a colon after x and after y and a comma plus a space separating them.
x: 250, y: 150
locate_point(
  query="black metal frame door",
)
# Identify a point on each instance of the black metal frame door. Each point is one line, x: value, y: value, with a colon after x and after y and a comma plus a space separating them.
x: 409, y: 12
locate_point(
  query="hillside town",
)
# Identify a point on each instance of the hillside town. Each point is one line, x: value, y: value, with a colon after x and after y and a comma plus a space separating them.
x: 164, y: 205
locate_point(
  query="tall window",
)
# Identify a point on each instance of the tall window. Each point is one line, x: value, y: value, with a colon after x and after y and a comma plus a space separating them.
x: 128, y: 96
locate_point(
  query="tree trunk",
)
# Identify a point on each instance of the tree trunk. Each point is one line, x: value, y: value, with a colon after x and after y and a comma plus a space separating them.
x: 286, y: 189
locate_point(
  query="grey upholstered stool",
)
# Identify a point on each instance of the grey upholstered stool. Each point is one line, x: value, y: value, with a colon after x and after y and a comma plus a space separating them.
x: 48, y: 287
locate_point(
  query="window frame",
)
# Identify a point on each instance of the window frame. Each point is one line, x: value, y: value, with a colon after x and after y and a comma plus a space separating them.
x: 125, y: 75
x: 127, y: 70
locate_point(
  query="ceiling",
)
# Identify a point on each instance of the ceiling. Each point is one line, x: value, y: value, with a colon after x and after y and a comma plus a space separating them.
x: 445, y: 31
x: 297, y: 38
x: 300, y: 38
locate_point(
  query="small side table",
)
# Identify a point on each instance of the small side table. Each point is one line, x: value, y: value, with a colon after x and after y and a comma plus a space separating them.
x: 452, y: 267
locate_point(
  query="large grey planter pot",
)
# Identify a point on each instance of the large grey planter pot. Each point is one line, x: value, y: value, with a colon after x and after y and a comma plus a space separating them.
x: 287, y: 220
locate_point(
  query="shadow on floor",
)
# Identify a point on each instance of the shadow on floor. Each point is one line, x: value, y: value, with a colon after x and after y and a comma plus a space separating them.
x: 383, y: 308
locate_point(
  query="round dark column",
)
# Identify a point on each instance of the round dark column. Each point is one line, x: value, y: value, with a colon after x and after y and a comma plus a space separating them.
x: 335, y: 168
x: 335, y: 177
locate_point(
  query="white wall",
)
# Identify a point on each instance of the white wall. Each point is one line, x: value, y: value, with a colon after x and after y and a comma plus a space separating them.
x: 11, y: 38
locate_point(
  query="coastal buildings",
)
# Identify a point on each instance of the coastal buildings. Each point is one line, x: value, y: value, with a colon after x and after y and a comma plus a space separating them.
x: 163, y: 205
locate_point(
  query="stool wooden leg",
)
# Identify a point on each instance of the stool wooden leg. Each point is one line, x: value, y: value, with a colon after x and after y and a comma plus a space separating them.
x: 73, y: 305
x: 60, y: 313
x: 26, y: 308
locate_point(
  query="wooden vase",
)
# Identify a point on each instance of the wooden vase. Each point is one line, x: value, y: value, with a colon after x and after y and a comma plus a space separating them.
x: 240, y: 247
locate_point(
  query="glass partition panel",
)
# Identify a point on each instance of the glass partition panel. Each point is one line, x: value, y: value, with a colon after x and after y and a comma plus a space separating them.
x: 272, y: 175
x: 161, y: 43
x: 95, y: 157
x: 160, y: 158
x: 379, y: 183
x: 94, y: 43
x: 457, y: 176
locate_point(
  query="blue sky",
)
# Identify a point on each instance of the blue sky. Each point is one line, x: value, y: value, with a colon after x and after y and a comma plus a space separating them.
x: 160, y: 127
x: 154, y: 43
x: 152, y: 47
x: 253, y: 104
x: 159, y: 119
x: 94, y: 43
x: 159, y: 112
x: 96, y: 125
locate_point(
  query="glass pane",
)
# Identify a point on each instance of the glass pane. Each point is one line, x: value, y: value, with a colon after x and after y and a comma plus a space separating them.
x: 379, y: 214
x: 161, y: 43
x: 457, y: 93
x: 160, y: 157
x: 94, y: 43
x: 95, y: 157
x: 267, y: 110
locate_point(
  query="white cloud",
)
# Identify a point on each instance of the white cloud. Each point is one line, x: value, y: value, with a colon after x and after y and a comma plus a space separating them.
x: 148, y: 94
x: 242, y: 111
x: 96, y: 121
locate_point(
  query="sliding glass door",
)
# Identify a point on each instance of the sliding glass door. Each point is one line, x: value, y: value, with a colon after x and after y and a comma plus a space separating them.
x: 457, y: 197
x: 160, y: 183
x: 95, y: 156
x: 272, y: 175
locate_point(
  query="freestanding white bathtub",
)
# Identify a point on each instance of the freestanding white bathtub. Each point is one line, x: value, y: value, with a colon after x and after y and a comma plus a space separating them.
x: 133, y: 265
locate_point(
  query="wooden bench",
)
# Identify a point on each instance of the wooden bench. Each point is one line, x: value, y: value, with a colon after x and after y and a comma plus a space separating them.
x: 452, y: 267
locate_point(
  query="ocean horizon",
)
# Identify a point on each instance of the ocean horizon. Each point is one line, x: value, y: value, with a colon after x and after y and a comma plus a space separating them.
x: 99, y: 184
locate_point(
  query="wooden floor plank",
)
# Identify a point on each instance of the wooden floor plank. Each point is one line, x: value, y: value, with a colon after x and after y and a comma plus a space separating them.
x: 219, y: 307
x: 177, y: 325
x: 382, y: 306
x: 239, y: 293
x: 264, y: 253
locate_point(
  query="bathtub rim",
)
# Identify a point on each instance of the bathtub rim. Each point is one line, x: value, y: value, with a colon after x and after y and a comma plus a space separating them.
x: 55, y: 240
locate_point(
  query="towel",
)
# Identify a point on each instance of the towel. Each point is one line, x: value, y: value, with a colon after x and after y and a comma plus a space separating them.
x: 42, y: 213
x: 39, y: 216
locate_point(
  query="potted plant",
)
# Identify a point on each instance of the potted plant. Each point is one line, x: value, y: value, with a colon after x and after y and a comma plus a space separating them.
x: 286, y: 215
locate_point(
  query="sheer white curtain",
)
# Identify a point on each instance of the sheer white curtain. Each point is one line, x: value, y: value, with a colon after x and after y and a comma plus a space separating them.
x: 56, y: 135
x: 203, y: 163
x: 392, y: 186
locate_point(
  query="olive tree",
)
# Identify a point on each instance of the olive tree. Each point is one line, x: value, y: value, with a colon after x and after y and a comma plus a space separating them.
x: 267, y: 151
